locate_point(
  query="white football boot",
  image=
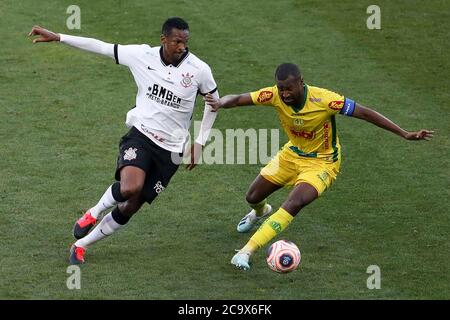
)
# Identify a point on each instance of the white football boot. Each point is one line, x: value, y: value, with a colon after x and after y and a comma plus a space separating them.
x: 247, y: 222
x: 241, y: 260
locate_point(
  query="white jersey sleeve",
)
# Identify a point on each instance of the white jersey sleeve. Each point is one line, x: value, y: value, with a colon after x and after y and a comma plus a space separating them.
x: 207, y: 82
x: 88, y: 44
x: 209, y: 116
x: 207, y: 85
x: 126, y: 55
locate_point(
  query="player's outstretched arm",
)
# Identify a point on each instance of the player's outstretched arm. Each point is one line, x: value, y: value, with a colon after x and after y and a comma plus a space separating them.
x: 44, y: 35
x: 381, y: 121
x: 87, y: 44
x: 229, y: 101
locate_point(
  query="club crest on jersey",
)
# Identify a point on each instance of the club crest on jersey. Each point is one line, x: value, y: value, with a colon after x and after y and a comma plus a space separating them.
x: 130, y: 154
x: 187, y: 80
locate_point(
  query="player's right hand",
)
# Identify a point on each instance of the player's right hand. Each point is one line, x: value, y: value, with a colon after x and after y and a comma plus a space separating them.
x: 45, y: 35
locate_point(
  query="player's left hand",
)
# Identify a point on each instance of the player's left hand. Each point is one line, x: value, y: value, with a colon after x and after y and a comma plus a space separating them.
x: 419, y: 135
x: 195, y: 153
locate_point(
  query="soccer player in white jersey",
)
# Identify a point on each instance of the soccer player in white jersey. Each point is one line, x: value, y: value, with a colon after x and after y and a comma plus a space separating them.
x: 169, y: 78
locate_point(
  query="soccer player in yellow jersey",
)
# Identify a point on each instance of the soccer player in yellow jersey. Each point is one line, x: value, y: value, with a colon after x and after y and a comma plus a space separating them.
x: 310, y: 161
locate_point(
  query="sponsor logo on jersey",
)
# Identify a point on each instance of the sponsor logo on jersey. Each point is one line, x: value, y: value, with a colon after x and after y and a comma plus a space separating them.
x: 130, y: 154
x: 187, y: 80
x: 315, y: 99
x: 326, y: 128
x: 304, y: 134
x: 265, y: 96
x: 336, y: 105
x: 163, y: 96
x: 146, y: 130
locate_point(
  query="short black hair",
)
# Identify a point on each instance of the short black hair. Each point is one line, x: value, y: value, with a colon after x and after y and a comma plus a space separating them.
x: 174, y: 22
x: 285, y: 70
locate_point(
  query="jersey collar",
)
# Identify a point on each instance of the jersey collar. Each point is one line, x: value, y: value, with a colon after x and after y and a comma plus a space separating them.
x: 300, y: 107
x: 177, y: 63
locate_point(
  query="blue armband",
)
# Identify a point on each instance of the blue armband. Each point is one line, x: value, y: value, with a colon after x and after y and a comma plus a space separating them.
x: 348, y: 108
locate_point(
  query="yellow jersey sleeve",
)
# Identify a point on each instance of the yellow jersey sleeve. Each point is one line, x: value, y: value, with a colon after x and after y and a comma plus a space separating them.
x: 335, y: 103
x: 332, y: 101
x: 264, y: 96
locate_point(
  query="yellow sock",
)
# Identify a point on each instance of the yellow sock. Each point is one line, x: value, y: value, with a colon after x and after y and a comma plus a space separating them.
x: 268, y: 230
x: 259, y: 207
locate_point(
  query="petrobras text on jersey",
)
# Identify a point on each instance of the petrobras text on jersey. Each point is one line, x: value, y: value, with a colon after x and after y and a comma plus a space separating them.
x: 163, y: 96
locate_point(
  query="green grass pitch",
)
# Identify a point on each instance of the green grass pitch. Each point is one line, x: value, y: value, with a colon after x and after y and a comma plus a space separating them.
x: 63, y: 110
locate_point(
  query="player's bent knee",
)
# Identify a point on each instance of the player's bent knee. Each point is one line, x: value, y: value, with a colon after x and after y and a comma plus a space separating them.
x: 129, y: 191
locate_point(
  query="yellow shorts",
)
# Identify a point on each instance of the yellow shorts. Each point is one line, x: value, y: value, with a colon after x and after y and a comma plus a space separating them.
x: 289, y: 169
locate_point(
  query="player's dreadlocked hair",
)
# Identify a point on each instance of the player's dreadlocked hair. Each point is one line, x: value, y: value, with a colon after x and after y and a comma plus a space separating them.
x: 174, y: 22
x: 285, y: 70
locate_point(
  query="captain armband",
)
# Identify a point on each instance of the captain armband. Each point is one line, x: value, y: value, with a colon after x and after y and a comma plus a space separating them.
x: 348, y: 108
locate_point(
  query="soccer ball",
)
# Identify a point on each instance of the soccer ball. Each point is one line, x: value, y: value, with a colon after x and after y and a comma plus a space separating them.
x: 283, y: 256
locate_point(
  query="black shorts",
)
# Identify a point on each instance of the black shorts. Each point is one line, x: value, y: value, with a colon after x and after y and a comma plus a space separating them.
x: 135, y: 149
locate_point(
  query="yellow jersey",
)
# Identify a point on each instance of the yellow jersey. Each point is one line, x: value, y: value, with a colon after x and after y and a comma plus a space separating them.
x: 311, y: 127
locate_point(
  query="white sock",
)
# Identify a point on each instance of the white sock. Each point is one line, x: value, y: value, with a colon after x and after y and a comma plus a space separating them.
x: 105, y: 228
x: 106, y: 202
